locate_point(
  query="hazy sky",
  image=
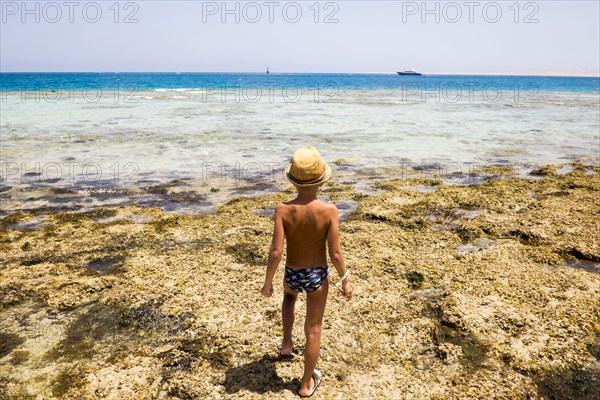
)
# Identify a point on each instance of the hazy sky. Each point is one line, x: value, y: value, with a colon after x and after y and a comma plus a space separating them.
x: 359, y: 36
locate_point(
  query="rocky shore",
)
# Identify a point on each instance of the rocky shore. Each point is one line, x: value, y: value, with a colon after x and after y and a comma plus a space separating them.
x: 485, y: 291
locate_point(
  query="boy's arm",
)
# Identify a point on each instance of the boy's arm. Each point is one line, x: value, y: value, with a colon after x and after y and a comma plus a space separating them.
x: 335, y: 252
x: 333, y: 243
x: 275, y: 251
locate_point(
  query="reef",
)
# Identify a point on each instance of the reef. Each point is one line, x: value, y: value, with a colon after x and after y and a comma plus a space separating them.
x: 482, y: 291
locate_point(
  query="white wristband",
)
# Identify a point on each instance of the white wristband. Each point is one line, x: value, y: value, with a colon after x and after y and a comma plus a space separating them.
x: 345, y: 274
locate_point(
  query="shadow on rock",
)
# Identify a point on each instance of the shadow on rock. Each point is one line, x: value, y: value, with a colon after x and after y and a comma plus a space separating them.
x: 570, y: 384
x: 258, y: 376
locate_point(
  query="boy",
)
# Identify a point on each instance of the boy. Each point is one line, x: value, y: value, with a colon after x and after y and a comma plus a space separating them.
x: 307, y: 224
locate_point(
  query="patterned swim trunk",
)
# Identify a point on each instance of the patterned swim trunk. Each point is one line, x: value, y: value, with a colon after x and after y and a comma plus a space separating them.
x: 309, y: 279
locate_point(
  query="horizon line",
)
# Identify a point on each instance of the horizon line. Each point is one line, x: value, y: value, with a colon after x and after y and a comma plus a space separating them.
x: 558, y: 74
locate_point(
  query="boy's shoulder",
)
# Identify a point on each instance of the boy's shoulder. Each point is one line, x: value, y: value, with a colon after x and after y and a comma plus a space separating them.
x: 282, y: 206
x: 328, y: 206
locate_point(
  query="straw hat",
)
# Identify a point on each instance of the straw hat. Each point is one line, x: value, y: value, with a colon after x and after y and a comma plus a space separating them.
x: 307, y: 167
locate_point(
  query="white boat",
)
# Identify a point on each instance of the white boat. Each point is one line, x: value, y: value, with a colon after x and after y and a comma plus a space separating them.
x: 409, y: 72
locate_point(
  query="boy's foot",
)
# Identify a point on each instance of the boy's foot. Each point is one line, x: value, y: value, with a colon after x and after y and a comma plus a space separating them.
x: 286, y: 353
x: 316, y: 379
x: 285, y: 357
x: 286, y: 349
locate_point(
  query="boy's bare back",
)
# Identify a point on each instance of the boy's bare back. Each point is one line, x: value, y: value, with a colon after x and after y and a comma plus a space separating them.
x: 308, y: 227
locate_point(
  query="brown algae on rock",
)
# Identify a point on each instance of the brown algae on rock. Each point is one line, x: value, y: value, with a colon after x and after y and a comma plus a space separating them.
x: 462, y: 292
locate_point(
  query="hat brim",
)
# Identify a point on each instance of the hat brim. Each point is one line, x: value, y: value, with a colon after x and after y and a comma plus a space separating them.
x: 325, y: 177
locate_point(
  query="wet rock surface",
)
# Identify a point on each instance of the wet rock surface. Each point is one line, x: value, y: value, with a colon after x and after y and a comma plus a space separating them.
x: 462, y: 292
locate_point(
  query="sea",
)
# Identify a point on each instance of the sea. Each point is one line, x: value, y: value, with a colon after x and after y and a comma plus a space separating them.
x: 187, y: 142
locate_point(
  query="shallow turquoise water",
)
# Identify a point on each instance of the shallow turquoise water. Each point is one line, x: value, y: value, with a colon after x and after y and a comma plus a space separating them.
x: 151, y: 81
x: 102, y: 139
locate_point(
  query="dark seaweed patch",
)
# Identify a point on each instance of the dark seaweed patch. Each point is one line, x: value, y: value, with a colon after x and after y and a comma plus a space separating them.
x: 187, y: 197
x: 185, y: 390
x: 188, y: 352
x: 448, y: 217
x: 18, y: 357
x: 415, y: 279
x: 408, y: 220
x: 526, y: 238
x: 377, y: 217
x: 120, y: 328
x: 570, y: 384
x: 416, y: 223
x: 581, y: 254
x: 12, y: 389
x: 468, y: 232
x: 12, y: 294
x: 66, y: 217
x: 163, y: 224
x: 474, y: 353
x: 62, y: 190
x: 260, y: 187
x: 66, y: 379
x: 163, y: 188
x: 12, y: 219
x: 149, y: 317
x: 8, y: 341
x: 99, y: 322
x: 28, y: 261
x: 202, y: 243
x: 548, y: 170
x: 115, y: 324
x: 104, y: 265
x: 32, y: 261
x: 247, y: 253
x: 117, y: 244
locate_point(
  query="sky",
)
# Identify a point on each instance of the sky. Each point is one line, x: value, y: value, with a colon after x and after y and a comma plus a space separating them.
x: 477, y: 37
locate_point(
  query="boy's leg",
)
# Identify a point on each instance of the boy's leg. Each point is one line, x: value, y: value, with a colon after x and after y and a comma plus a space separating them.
x: 288, y: 308
x: 315, y: 308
